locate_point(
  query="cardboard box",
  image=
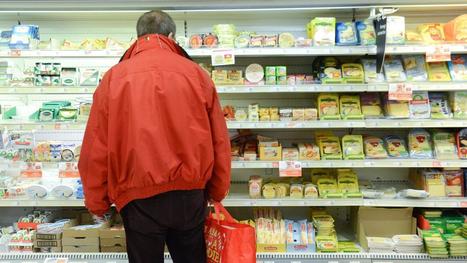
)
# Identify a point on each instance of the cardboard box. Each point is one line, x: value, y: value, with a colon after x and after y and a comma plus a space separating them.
x: 47, y: 243
x: 113, y: 249
x: 48, y: 236
x: 73, y: 237
x: 111, y: 242
x: 112, y: 233
x: 81, y: 249
x: 48, y: 250
x: 384, y: 222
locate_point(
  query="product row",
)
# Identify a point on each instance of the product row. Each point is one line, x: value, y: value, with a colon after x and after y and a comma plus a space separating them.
x: 48, y: 74
x: 420, y: 144
x: 332, y: 70
x: 53, y: 111
x: 330, y: 106
x: 440, y: 233
x: 344, y: 183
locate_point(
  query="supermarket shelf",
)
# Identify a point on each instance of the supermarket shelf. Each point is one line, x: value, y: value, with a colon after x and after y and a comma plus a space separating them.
x: 47, y: 90
x: 312, y: 88
x: 245, y: 52
x: 243, y: 200
x: 373, y: 123
x: 370, y: 123
x: 368, y: 163
x: 261, y: 257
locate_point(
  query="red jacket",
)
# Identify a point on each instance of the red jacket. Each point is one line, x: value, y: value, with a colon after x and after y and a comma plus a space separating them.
x: 155, y: 126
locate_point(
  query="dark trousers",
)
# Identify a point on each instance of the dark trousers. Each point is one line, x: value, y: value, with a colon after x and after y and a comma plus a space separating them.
x: 174, y: 218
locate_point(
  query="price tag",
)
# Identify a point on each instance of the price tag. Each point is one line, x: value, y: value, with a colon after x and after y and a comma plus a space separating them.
x: 438, y: 53
x: 58, y: 126
x: 220, y: 57
x: 463, y: 204
x: 275, y: 165
x: 56, y: 260
x: 290, y: 169
x: 437, y: 164
x: 400, y: 91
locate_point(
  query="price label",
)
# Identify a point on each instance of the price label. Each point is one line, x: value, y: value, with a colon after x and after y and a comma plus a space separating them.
x: 400, y: 91
x: 463, y: 204
x: 437, y: 164
x: 15, y: 53
x: 290, y: 169
x: 221, y: 57
x: 58, y: 126
x: 438, y: 53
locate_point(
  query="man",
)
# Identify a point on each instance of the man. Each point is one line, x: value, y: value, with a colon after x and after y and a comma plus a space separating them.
x: 156, y: 145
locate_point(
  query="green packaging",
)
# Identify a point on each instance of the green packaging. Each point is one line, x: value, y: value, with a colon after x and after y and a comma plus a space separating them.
x: 281, y: 71
x: 270, y: 71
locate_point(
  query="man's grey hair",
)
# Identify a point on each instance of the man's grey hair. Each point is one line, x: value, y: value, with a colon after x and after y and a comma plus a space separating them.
x: 155, y: 22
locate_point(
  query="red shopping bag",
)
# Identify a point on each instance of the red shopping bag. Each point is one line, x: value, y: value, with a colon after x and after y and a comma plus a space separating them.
x: 228, y: 241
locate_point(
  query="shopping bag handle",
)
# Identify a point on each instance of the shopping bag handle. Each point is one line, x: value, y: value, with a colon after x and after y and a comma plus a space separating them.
x: 218, y: 209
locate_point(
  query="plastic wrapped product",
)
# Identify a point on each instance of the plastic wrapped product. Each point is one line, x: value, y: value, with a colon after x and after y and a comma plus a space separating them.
x: 269, y: 190
x: 395, y: 33
x: 439, y: 104
x: 311, y: 191
x: 242, y: 41
x: 462, y: 143
x: 286, y: 40
x: 254, y: 73
x: 412, y: 193
x: 346, y: 34
x: 454, y: 183
x: 196, y: 41
x: 270, y: 41
x: 415, y: 68
x: 372, y: 193
x: 296, y: 190
x: 324, y: 31
x: 396, y: 109
x: 419, y: 106
x: 290, y: 154
x: 445, y: 145
x: 328, y: 105
x: 413, y: 37
x: 393, y: 70
x: 255, y: 184
x: 458, y: 101
x: 352, y: 73
x: 369, y: 66
x: 350, y: 108
x: 330, y: 148
x: 455, y: 30
x: 458, y: 67
x: 371, y: 105
x: 396, y: 147
x: 366, y: 33
x: 210, y: 41
x: 431, y: 33
x: 374, y: 148
x: 420, y: 144
x: 438, y: 71
x: 308, y: 151
x: 352, y: 147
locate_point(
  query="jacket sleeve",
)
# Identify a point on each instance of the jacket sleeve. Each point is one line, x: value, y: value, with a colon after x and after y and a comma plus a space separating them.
x: 92, y: 165
x: 219, y: 184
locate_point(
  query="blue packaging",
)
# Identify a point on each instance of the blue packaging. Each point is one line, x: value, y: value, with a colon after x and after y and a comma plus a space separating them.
x: 458, y: 67
x: 346, y: 34
x: 24, y: 37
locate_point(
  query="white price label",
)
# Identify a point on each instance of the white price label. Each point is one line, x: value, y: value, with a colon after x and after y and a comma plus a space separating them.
x: 438, y: 53
x: 221, y: 57
x: 400, y: 91
x: 290, y: 169
x: 56, y: 260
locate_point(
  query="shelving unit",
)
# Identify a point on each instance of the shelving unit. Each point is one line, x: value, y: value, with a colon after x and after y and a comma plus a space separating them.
x: 200, y: 22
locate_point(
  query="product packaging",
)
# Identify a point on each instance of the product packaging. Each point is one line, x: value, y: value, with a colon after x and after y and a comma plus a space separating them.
x: 308, y: 151
x: 458, y: 102
x: 439, y: 104
x: 290, y: 154
x: 366, y: 33
x: 462, y: 143
x: 420, y: 144
x: 438, y: 71
x: 396, y: 147
x: 330, y: 147
x: 369, y: 66
x: 395, y: 33
x: 371, y: 105
x: 454, y: 183
x: 328, y: 105
x: 350, y: 108
x: 415, y: 68
x: 323, y: 30
x: 419, y: 106
x: 88, y: 77
x: 352, y: 147
x: 445, y: 145
x: 346, y: 34
x: 455, y: 30
x: 396, y: 109
x: 393, y: 70
x: 286, y: 40
x: 431, y: 33
x: 255, y: 184
x: 352, y: 73
x: 374, y: 148
x: 458, y: 67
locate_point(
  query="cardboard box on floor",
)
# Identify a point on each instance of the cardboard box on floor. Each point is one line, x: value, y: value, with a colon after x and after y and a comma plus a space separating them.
x: 384, y: 222
x: 87, y: 240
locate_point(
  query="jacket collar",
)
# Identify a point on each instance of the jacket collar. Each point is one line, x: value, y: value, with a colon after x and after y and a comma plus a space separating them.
x: 153, y: 41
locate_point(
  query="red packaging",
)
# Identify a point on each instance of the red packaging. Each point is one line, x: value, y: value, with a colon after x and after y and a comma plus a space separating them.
x: 454, y: 183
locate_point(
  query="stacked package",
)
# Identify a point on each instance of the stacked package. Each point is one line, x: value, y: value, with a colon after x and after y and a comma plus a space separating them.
x: 407, y: 244
x: 380, y: 245
x: 457, y: 246
x: 435, y: 245
x: 326, y: 238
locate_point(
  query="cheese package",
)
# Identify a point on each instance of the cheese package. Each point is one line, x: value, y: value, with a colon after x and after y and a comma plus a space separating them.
x: 396, y: 147
x: 253, y: 112
x: 396, y: 109
x: 296, y: 190
x: 242, y: 41
x: 328, y: 70
x: 326, y: 187
x: 458, y: 67
x: 438, y: 71
x: 282, y: 190
x: 395, y: 33
x: 310, y: 191
x: 435, y: 183
x: 269, y: 190
x: 254, y: 73
x: 371, y: 105
x: 369, y: 66
x: 366, y: 33
x: 270, y: 153
x: 439, y: 104
x: 431, y: 33
x: 286, y: 40
x: 419, y: 106
x: 346, y: 34
x: 320, y: 173
x: 350, y: 107
x: 308, y: 152
x: 286, y: 114
x: 255, y: 185
x: 458, y: 102
x: 454, y: 183
x: 328, y: 105
x: 310, y: 114
x: 374, y: 148
x: 330, y: 148
x: 88, y: 77
x: 415, y: 68
x: 393, y: 70
x: 323, y: 31
x: 462, y: 143
x: 456, y: 29
x: 445, y: 145
x: 352, y: 147
x: 413, y: 37
x: 298, y: 114
x: 290, y: 154
x: 352, y: 73
x: 420, y: 144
